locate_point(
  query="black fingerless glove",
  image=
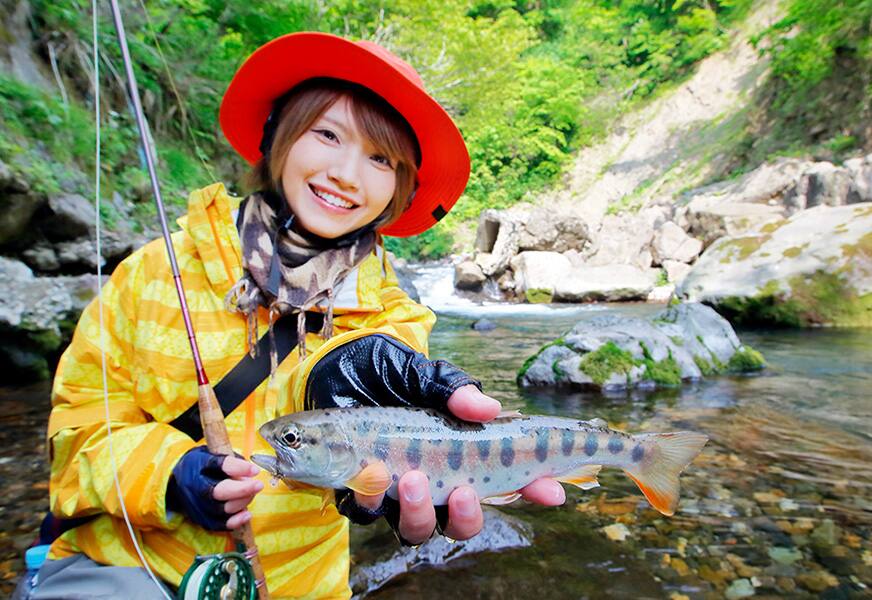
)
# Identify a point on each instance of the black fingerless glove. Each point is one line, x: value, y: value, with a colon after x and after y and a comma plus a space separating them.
x: 191, y: 485
x: 378, y: 370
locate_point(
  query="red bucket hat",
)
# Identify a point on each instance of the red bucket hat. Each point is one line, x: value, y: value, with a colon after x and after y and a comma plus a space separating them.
x: 276, y: 67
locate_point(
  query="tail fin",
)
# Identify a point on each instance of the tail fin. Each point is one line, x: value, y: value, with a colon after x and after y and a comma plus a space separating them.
x: 658, y: 477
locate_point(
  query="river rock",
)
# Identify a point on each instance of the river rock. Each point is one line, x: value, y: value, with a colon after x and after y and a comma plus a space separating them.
x: 499, y: 531
x: 814, y: 268
x: 671, y: 243
x: 31, y: 312
x: 625, y: 239
x: 70, y: 216
x: 537, y: 274
x: 498, y: 237
x: 676, y: 271
x: 612, y: 283
x: 543, y: 228
x: 772, y: 192
x: 16, y: 211
x: 683, y: 342
x: 468, y: 276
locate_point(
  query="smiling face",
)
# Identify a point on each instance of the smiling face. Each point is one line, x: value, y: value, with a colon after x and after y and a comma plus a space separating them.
x: 334, y: 178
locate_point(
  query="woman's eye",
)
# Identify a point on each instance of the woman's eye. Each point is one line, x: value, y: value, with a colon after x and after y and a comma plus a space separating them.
x: 327, y: 134
x: 382, y: 160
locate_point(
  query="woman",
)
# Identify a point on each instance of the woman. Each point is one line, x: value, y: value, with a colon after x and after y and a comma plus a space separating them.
x: 346, y: 146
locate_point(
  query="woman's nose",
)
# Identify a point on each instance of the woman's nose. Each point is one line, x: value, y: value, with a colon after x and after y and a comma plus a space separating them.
x: 344, y: 171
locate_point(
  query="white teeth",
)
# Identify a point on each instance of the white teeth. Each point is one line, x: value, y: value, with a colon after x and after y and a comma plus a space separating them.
x: 332, y: 200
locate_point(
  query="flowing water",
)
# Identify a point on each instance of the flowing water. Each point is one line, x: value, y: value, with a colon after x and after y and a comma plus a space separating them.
x: 779, y: 504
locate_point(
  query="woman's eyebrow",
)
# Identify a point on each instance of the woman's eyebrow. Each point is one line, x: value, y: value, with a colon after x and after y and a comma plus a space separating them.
x: 343, y: 129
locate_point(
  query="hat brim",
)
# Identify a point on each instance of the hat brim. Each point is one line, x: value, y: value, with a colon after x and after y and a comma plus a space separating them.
x: 287, y: 61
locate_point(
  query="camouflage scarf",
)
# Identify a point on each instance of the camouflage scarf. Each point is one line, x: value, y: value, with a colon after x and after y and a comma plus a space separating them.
x: 289, y: 271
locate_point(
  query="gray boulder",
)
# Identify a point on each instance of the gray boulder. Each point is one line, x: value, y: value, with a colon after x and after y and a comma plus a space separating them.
x: 683, y: 342
x: 671, y: 243
x: 612, y: 283
x: 814, y: 268
x: 625, y: 239
x: 468, y: 276
x: 70, y: 216
x: 32, y: 311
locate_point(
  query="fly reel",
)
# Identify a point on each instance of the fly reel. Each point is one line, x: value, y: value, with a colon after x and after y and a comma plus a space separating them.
x: 226, y: 576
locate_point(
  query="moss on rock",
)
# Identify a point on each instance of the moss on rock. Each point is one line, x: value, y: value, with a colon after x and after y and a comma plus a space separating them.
x: 705, y: 367
x: 605, y: 361
x: 539, y: 296
x: 820, y: 298
x: 532, y: 359
x: 666, y: 372
x: 746, y: 359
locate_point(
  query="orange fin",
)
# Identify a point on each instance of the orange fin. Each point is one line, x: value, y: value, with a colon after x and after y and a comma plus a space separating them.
x: 501, y: 500
x: 374, y: 479
x: 658, y: 477
x: 583, y: 477
x: 328, y: 497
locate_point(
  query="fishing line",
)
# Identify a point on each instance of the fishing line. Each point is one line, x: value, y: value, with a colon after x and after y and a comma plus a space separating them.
x: 97, y: 164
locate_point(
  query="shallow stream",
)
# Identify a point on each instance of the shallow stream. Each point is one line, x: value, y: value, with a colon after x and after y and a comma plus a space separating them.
x: 779, y: 503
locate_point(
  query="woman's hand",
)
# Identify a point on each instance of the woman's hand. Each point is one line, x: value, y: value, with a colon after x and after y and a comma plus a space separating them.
x: 417, y: 515
x: 213, y: 490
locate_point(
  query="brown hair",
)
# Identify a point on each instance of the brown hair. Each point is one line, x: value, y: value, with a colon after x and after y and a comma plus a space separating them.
x: 380, y: 122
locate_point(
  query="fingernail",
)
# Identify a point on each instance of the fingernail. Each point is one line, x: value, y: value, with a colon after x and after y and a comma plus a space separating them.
x: 487, y: 401
x: 415, y: 490
x: 466, y: 502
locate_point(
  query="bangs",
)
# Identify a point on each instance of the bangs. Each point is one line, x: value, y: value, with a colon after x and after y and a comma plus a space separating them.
x: 385, y: 128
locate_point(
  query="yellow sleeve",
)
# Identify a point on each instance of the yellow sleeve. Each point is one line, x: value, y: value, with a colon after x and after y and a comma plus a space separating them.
x: 142, y: 452
x: 401, y: 318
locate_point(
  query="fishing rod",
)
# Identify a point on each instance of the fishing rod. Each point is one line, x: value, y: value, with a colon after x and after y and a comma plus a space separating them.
x: 222, y: 567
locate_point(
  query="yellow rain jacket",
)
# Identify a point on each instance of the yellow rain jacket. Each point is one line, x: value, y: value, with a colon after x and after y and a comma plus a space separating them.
x: 151, y: 380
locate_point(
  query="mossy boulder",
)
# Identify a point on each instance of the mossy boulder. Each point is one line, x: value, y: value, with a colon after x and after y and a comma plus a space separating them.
x: 683, y: 342
x: 814, y: 269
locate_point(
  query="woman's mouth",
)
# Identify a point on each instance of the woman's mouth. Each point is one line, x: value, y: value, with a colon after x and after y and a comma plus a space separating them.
x: 331, y: 199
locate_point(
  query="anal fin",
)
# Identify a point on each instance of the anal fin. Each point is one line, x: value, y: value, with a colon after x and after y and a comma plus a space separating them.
x: 502, y: 499
x: 583, y: 477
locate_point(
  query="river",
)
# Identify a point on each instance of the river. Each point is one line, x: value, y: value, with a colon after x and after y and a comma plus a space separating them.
x: 778, y: 504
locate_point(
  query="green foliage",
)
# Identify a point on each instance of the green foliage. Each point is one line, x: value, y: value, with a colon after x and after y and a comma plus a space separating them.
x: 705, y: 367
x: 436, y: 242
x: 664, y: 372
x: 521, y: 79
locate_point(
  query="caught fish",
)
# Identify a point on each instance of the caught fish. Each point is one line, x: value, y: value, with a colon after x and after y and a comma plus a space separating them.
x: 368, y: 449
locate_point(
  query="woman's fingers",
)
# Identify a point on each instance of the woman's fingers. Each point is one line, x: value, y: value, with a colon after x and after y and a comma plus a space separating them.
x: 234, y: 489
x: 545, y: 491
x: 238, y: 468
x: 470, y: 404
x: 238, y: 520
x: 465, y: 518
x: 417, y: 516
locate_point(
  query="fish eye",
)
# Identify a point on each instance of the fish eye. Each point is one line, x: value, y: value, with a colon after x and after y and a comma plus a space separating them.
x: 290, y: 438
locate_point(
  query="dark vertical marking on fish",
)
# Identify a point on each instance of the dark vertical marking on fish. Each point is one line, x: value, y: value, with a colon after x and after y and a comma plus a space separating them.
x: 363, y: 463
x: 439, y: 483
x: 507, y: 452
x: 616, y: 446
x: 381, y: 447
x: 486, y: 479
x: 395, y: 477
x: 483, y: 449
x: 590, y: 444
x: 413, y: 454
x: 567, y: 442
x: 541, y: 450
x: 638, y: 453
x: 455, y: 455
x: 471, y: 480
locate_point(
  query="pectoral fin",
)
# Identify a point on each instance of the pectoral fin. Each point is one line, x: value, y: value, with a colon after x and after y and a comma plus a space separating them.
x: 501, y: 500
x: 583, y: 477
x: 374, y: 479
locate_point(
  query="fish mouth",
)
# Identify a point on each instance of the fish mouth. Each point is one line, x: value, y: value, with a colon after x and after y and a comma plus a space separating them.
x: 268, y: 463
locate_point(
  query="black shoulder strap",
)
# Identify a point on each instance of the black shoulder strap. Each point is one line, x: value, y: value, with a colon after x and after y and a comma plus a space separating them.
x: 249, y: 372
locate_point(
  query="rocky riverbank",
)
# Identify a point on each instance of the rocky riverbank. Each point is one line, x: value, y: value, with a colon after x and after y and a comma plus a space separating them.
x: 787, y: 243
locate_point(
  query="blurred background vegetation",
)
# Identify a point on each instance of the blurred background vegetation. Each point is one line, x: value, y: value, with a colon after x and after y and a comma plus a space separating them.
x: 528, y: 82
